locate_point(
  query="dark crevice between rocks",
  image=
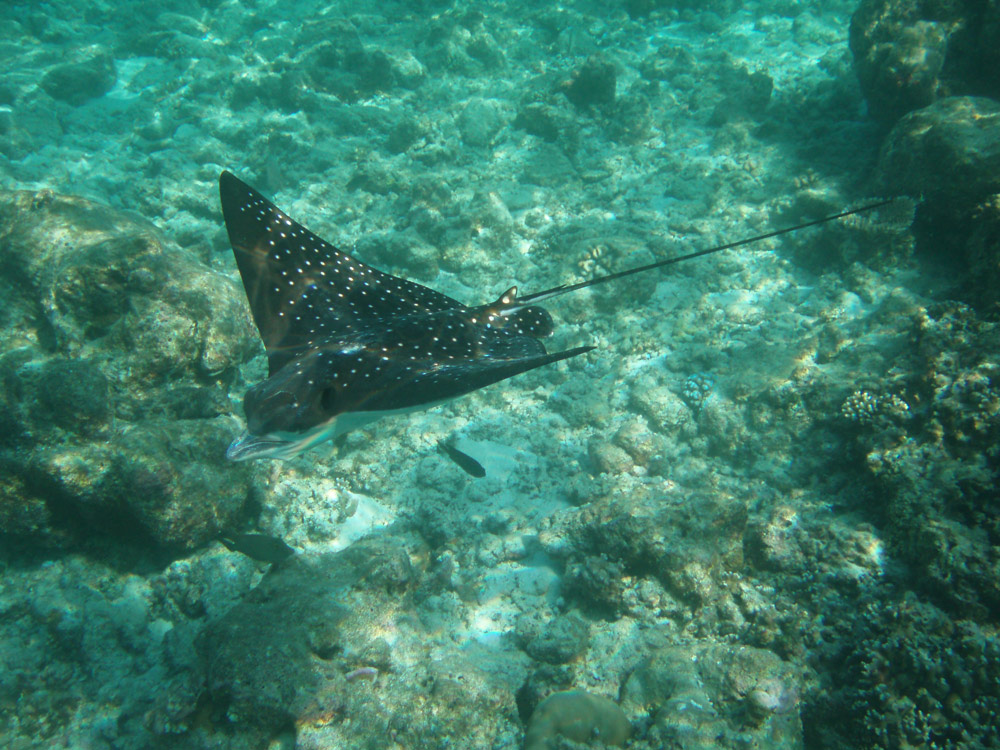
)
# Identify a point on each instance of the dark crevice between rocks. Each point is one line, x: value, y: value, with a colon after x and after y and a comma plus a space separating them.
x: 19, y: 284
x: 950, y: 237
x: 114, y: 536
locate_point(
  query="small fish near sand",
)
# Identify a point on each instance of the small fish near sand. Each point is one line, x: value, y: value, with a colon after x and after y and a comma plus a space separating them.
x: 259, y: 547
x: 347, y: 344
x: 464, y: 461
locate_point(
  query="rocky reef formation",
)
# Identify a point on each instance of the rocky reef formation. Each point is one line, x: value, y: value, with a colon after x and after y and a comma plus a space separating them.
x: 118, y: 353
x: 761, y: 514
x: 926, y: 72
x: 578, y: 716
x: 947, y: 155
x: 909, y: 54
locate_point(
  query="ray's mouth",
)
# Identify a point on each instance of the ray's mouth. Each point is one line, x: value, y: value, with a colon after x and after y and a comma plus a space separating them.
x: 248, y: 446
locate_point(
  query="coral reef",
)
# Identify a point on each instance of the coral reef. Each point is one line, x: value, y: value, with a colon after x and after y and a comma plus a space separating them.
x: 893, y: 681
x: 922, y: 69
x: 946, y: 151
x: 762, y: 513
x: 118, y: 353
x: 936, y: 472
x: 956, y: 221
x: 909, y: 54
x: 593, y: 84
x: 577, y: 716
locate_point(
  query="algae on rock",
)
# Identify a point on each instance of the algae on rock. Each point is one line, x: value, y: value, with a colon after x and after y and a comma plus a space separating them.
x: 578, y: 716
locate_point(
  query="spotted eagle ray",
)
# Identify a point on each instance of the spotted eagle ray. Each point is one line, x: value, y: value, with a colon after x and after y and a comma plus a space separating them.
x: 347, y: 344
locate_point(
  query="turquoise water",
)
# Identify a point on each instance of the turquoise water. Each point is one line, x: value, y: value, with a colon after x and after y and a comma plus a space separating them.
x: 761, y: 511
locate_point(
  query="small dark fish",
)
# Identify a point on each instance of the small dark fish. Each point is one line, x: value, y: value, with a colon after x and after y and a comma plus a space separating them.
x: 259, y: 547
x: 465, y: 462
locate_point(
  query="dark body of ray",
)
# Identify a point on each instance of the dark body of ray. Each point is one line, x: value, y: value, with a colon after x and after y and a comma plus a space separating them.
x: 347, y: 344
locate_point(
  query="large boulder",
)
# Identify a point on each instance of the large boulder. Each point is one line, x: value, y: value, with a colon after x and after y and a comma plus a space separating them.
x: 330, y: 644
x: 909, y: 54
x: 951, y: 148
x: 118, y: 349
x: 948, y: 154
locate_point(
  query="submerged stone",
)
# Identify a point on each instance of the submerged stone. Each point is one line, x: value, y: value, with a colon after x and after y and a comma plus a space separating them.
x: 951, y: 148
x: 593, y: 84
x: 908, y: 54
x: 76, y: 82
x: 104, y: 324
x: 480, y: 121
x: 578, y: 716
